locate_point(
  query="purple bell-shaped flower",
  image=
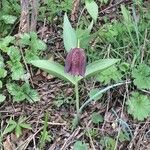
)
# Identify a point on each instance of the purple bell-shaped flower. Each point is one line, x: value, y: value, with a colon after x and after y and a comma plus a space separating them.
x: 75, y: 63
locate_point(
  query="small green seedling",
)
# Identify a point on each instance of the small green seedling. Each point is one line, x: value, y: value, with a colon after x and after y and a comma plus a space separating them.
x: 17, y: 126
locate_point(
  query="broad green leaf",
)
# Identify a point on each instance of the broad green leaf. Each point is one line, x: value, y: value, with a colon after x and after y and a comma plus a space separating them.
x: 4, y: 43
x: 108, y: 142
x: 25, y: 39
x: 96, y: 118
x: 9, y: 19
x: 32, y: 96
x: 96, y: 67
x: 2, y: 98
x: 80, y: 146
x: 139, y: 106
x: 30, y: 55
x: 14, y: 53
x: 92, y: 9
x: 41, y: 45
x: 17, y: 70
x: 54, y: 69
x: 37, y: 44
x: 3, y: 73
x: 109, y: 74
x: 69, y: 35
x: 141, y: 75
x: 16, y: 92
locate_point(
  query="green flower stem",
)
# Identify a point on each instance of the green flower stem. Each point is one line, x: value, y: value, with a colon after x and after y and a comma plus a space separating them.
x: 77, y: 97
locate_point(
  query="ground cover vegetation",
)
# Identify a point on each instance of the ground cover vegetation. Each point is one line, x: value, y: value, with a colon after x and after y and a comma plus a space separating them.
x: 74, y: 74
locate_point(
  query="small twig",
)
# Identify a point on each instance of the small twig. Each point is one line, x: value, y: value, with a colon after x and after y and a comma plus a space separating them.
x: 28, y: 140
x: 50, y: 123
x: 27, y: 68
x: 91, y: 141
x: 112, y: 6
x: 135, y: 134
x: 70, y: 138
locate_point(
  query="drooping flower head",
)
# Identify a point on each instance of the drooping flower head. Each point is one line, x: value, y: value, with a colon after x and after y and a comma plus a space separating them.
x: 75, y: 63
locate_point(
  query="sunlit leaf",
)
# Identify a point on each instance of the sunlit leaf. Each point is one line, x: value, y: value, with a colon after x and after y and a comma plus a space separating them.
x: 98, y: 66
x: 9, y: 19
x: 10, y: 128
x: 54, y: 69
x: 80, y: 146
x: 139, y: 106
x: 96, y: 118
x: 92, y: 9
x: 2, y: 98
x: 69, y: 35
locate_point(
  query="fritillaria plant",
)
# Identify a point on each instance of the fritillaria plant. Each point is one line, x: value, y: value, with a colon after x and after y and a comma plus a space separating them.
x: 75, y: 68
x: 75, y: 64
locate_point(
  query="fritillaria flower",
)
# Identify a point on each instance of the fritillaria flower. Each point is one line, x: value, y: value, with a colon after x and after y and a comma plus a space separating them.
x: 75, y: 63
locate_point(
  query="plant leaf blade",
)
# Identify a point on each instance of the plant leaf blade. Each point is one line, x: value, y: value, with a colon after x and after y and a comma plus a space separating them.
x: 69, y: 35
x: 92, y: 9
x: 54, y: 69
x: 99, y: 65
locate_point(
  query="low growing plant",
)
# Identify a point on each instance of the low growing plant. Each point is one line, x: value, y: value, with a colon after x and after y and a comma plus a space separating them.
x: 75, y: 65
x: 17, y: 126
x: 14, y: 72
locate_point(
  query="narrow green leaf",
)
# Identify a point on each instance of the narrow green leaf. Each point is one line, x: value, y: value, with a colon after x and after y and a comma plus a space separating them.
x: 92, y: 9
x: 54, y: 69
x: 9, y: 128
x: 126, y: 15
x: 69, y: 35
x: 10, y: 122
x: 18, y: 131
x: 98, y: 66
x: 25, y: 125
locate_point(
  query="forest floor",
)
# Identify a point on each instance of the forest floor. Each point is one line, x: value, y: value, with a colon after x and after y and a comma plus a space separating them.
x: 116, y: 129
